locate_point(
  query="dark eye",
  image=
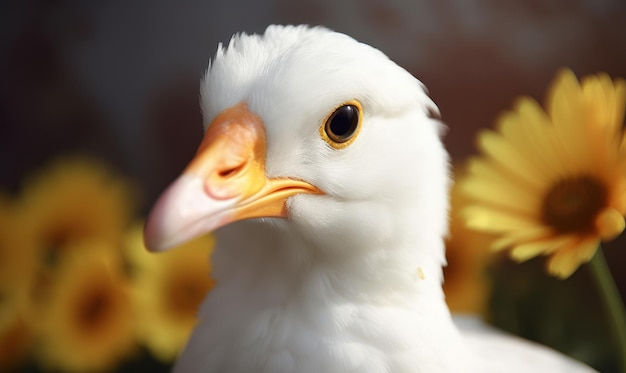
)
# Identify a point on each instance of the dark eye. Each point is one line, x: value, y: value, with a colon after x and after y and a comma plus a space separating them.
x: 343, y: 123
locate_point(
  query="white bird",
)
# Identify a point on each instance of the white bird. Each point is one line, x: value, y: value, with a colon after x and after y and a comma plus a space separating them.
x: 325, y: 172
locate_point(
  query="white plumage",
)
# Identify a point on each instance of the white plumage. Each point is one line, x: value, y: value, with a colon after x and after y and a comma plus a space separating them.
x: 344, y: 272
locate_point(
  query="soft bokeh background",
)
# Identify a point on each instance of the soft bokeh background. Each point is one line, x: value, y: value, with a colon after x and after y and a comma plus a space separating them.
x: 119, y: 80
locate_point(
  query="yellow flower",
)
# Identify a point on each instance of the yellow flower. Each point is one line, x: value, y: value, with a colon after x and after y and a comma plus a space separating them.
x: 17, y: 268
x: 467, y: 252
x: 169, y: 288
x: 15, y: 337
x: 86, y: 324
x: 554, y: 183
x: 18, y: 259
x: 75, y: 199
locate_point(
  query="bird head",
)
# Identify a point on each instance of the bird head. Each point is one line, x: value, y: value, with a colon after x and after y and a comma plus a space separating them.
x: 311, y: 128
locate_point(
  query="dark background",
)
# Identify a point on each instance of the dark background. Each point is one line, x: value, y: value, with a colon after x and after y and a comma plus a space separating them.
x: 119, y: 80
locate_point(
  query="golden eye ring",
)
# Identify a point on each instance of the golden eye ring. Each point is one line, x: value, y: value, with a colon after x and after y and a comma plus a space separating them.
x: 343, y: 124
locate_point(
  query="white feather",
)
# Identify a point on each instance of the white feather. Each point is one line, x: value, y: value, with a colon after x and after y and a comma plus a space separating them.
x: 336, y: 287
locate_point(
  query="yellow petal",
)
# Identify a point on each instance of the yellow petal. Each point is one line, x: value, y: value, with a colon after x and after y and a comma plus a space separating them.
x: 564, y: 98
x: 569, y: 116
x: 540, y: 131
x: 597, y: 91
x: 525, y: 130
x: 619, y: 198
x: 609, y: 223
x: 486, y: 183
x: 567, y: 259
x: 604, y: 109
x: 587, y: 249
x: 606, y: 100
x: 530, y: 250
x: 503, y: 153
x: 494, y: 220
x: 520, y: 236
x: 620, y: 103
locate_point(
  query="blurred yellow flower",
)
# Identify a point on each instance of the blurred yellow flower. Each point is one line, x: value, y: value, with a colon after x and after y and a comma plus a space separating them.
x: 17, y: 253
x: 466, y: 284
x: 86, y: 324
x: 15, y: 337
x: 554, y: 183
x: 17, y: 269
x: 169, y: 288
x: 75, y: 199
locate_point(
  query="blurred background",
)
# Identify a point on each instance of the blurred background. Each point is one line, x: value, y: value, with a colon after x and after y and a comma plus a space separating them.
x: 118, y: 81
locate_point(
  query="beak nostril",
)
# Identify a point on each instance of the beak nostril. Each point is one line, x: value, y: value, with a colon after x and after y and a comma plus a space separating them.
x: 230, y: 171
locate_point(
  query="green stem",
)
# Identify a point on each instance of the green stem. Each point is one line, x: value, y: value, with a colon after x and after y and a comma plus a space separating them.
x: 613, y: 303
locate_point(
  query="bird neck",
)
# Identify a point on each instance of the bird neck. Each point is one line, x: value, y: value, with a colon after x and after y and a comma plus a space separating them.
x: 281, y: 266
x: 276, y: 295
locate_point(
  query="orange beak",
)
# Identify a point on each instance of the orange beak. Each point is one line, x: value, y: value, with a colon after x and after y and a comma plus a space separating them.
x: 224, y: 183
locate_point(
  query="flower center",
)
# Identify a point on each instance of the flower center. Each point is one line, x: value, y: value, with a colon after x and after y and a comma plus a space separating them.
x: 94, y: 310
x: 572, y: 204
x: 59, y: 235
